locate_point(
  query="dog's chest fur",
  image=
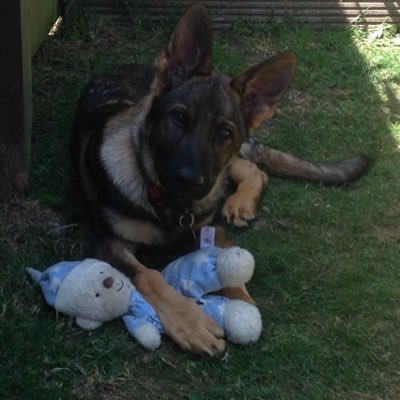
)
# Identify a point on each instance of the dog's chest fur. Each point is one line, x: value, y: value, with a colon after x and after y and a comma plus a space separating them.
x: 142, y: 219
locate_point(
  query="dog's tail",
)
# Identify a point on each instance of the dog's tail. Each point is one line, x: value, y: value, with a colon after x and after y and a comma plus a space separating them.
x: 283, y: 164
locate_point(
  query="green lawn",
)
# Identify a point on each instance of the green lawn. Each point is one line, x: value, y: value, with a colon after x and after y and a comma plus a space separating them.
x: 328, y: 259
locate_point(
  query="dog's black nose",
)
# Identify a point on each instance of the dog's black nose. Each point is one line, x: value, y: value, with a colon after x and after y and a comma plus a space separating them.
x: 190, y: 178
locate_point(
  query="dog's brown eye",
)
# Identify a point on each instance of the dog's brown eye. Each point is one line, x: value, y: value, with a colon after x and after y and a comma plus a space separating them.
x: 225, y: 133
x: 178, y: 116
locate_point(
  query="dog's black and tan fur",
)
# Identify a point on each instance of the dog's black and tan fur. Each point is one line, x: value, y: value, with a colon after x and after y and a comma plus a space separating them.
x: 155, y: 147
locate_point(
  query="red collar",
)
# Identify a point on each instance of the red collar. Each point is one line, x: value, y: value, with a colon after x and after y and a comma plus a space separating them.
x: 185, y: 217
x: 152, y: 189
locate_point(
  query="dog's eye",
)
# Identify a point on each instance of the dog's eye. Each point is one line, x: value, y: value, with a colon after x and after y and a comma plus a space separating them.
x: 225, y: 132
x: 178, y: 116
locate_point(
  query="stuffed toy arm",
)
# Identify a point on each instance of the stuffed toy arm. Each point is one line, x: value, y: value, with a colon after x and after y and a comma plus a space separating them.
x: 143, y: 331
x: 143, y: 323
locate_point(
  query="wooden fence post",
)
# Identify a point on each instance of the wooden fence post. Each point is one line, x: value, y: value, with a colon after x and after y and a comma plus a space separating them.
x: 15, y: 99
x: 24, y: 25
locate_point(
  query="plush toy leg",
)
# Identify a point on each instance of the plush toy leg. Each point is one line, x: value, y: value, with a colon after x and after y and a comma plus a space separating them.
x: 235, y: 266
x: 146, y: 334
x: 194, y: 274
x: 208, y: 270
x: 242, y: 321
x: 148, y: 337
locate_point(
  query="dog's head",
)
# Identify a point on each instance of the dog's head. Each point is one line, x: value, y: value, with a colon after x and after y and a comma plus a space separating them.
x: 201, y: 118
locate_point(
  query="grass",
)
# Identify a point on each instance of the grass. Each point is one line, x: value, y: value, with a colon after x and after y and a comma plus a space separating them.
x: 327, y: 258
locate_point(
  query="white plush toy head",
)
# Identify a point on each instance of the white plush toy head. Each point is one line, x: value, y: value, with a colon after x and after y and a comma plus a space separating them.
x: 94, y: 292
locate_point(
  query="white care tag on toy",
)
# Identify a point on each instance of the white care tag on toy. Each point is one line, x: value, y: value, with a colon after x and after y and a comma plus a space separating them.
x: 207, y: 236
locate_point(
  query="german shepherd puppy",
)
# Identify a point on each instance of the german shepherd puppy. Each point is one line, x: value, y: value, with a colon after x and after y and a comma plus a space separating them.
x: 156, y: 145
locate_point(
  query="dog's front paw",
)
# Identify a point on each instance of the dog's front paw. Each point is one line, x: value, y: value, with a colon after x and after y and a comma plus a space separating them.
x: 239, y: 210
x: 188, y: 326
x: 183, y: 320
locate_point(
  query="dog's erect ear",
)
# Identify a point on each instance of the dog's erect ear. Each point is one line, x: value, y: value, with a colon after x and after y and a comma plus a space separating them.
x: 262, y: 87
x: 189, y: 49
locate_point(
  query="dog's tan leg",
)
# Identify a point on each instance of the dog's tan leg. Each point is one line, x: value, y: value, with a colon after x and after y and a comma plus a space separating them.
x: 183, y: 320
x: 242, y: 205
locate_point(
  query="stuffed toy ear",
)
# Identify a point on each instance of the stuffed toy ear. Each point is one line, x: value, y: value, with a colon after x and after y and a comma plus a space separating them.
x: 262, y: 87
x: 189, y: 49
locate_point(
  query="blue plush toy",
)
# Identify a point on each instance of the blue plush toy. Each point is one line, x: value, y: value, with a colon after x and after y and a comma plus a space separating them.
x: 93, y: 292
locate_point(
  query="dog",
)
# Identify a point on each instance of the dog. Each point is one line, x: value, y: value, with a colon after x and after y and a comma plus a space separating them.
x: 155, y: 147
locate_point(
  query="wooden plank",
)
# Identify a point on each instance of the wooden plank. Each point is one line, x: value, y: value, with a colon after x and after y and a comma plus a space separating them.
x: 237, y: 13
x: 15, y: 101
x: 23, y: 25
x: 248, y: 4
x: 226, y: 21
x: 41, y: 16
x: 227, y: 6
x: 330, y: 12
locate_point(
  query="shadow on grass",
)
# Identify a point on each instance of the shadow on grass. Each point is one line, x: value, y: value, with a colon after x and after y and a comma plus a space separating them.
x: 325, y: 273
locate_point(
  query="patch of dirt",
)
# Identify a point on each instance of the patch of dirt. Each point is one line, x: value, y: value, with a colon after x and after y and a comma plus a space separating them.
x: 24, y: 224
x: 101, y: 392
x: 146, y: 387
x: 390, y: 232
x: 299, y: 98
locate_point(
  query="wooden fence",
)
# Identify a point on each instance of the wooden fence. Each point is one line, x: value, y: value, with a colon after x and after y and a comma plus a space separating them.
x: 336, y: 13
x: 23, y: 25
